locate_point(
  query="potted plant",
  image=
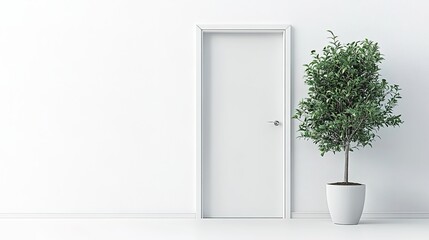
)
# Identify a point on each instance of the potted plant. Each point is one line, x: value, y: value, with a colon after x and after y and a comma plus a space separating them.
x: 347, y: 103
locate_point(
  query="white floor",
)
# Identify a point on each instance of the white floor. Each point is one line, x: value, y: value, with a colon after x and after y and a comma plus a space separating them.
x: 153, y: 229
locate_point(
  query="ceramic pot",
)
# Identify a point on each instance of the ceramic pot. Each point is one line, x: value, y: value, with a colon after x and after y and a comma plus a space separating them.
x: 345, y: 202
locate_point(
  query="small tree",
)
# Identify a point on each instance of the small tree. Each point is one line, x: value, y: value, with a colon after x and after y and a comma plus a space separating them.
x: 347, y: 100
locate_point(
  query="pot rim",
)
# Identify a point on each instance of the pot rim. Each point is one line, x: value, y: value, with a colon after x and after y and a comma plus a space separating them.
x: 340, y: 185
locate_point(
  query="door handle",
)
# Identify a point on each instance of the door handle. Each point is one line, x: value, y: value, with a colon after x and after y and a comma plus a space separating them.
x: 275, y: 122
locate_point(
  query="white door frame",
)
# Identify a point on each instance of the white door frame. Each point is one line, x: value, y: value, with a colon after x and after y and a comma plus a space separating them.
x: 286, y: 31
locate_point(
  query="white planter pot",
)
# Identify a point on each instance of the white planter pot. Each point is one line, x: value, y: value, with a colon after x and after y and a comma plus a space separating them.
x: 345, y: 203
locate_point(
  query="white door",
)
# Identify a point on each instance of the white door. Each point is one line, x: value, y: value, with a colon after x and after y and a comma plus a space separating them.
x: 242, y: 89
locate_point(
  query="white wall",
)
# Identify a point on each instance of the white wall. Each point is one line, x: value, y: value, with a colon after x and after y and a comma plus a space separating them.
x: 97, y: 102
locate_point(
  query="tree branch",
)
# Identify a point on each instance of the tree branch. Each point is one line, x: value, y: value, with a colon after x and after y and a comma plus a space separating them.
x: 356, y: 129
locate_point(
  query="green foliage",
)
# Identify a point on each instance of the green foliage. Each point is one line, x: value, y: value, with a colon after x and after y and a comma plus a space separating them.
x: 347, y: 100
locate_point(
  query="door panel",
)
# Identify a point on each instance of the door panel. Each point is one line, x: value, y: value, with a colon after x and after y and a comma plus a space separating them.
x: 242, y: 154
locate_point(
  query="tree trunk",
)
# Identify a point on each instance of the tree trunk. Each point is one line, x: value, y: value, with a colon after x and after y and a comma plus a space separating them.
x: 346, y: 164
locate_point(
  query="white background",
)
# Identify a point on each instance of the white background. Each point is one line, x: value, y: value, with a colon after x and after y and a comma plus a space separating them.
x: 97, y: 102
